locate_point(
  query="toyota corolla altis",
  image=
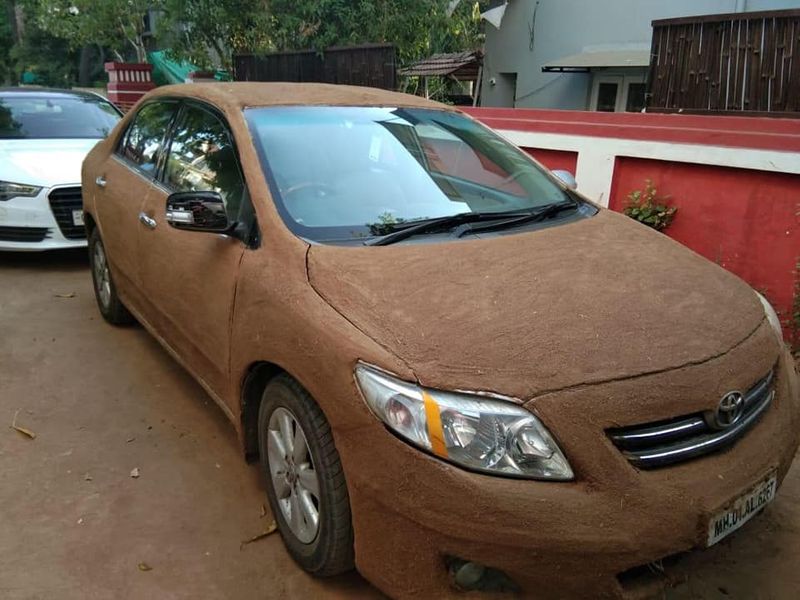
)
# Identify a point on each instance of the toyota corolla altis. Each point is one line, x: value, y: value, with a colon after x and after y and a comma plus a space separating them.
x: 457, y: 373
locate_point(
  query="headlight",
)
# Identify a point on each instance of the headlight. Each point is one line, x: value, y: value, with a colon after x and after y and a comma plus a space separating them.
x: 10, y: 190
x: 475, y: 432
x: 772, y: 316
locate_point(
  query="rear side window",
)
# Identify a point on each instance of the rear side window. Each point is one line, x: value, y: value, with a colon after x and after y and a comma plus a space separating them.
x: 202, y: 157
x: 144, y: 139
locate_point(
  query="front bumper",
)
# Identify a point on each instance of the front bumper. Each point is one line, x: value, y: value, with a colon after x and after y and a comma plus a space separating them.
x: 412, y: 511
x: 29, y: 225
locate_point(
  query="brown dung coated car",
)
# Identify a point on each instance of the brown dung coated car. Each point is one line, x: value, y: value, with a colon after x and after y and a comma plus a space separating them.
x: 458, y: 374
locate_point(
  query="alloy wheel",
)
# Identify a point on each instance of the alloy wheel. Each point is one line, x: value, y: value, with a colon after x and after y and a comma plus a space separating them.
x: 294, y: 478
x: 102, y: 278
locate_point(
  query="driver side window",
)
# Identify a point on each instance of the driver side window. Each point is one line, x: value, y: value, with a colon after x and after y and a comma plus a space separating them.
x: 202, y: 157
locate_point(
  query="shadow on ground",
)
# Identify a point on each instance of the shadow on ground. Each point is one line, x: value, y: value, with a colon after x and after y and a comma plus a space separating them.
x: 53, y: 260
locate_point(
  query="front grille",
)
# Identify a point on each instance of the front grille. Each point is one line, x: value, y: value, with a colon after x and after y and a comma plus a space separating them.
x: 62, y: 202
x: 654, y: 445
x: 23, y: 234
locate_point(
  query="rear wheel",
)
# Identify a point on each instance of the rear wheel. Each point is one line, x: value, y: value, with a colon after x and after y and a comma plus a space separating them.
x: 305, y: 482
x: 108, y: 301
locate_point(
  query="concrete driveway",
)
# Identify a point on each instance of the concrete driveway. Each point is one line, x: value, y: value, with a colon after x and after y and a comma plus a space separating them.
x: 104, y: 401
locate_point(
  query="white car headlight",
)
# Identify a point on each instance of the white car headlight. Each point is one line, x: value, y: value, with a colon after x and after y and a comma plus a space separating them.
x: 478, y: 433
x: 10, y: 190
x: 772, y: 316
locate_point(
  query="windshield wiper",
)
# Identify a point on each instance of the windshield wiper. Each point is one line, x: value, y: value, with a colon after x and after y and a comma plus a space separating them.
x: 540, y: 214
x: 499, y: 220
x: 430, y: 225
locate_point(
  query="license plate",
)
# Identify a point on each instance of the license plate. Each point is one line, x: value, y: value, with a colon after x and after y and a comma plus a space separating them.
x: 77, y: 217
x: 741, y: 510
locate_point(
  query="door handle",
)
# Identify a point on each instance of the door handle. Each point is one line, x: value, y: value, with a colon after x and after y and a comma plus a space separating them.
x: 145, y: 220
x: 100, y: 181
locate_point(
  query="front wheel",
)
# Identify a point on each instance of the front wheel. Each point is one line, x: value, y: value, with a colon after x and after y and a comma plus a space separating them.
x: 111, y: 307
x: 305, y: 482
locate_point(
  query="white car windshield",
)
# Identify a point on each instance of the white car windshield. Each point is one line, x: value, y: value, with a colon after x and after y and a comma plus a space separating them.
x: 30, y: 116
x: 340, y: 173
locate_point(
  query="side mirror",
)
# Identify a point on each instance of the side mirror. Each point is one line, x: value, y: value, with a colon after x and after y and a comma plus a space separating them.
x: 198, y: 211
x: 567, y: 178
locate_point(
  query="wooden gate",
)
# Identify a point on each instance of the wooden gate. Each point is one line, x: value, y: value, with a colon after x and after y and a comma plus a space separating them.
x: 743, y: 62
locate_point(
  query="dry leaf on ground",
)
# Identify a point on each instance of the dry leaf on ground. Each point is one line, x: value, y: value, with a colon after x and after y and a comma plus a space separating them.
x: 143, y: 566
x: 24, y: 431
x: 271, y: 528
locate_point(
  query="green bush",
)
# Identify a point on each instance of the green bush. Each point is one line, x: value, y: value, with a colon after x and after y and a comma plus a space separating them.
x: 649, y: 208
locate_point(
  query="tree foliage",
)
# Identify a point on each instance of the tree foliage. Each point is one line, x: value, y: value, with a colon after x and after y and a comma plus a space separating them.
x: 417, y: 27
x: 201, y: 31
x: 51, y: 59
x: 209, y: 32
x: 116, y: 24
x: 32, y: 50
x: 6, y: 41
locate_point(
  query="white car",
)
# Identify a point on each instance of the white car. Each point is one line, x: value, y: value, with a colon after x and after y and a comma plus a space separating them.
x: 44, y: 137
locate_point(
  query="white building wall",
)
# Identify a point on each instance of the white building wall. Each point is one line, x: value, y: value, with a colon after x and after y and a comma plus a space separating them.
x: 535, y: 32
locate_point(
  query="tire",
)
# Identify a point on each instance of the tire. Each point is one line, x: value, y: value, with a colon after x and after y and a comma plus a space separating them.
x: 105, y: 292
x: 326, y: 550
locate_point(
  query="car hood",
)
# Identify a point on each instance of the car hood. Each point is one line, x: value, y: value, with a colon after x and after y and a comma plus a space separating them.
x: 595, y: 300
x: 43, y: 162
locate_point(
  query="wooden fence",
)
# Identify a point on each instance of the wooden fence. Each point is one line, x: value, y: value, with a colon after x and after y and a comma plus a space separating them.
x: 373, y: 65
x: 743, y: 62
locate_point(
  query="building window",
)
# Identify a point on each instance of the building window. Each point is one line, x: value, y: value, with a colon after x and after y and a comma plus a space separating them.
x: 607, y: 93
x: 618, y: 93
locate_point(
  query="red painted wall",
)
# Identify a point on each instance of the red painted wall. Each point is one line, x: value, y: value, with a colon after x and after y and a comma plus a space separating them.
x: 737, y: 132
x: 746, y: 221
x: 555, y: 159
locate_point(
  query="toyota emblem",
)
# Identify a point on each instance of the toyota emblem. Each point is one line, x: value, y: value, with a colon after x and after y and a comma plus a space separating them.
x: 728, y: 412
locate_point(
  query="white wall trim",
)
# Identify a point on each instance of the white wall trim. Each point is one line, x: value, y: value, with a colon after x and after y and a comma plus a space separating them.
x: 596, y: 156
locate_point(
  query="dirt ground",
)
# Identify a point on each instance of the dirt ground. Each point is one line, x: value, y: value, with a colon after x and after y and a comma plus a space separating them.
x: 104, y: 401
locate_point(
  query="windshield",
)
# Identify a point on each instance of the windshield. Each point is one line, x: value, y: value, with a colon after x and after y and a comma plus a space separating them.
x: 340, y: 173
x: 41, y: 117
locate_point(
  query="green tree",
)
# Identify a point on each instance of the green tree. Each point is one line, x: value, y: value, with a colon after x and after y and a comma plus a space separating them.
x: 24, y: 47
x: 7, y: 41
x: 118, y: 25
x: 51, y: 59
x: 209, y: 32
x: 417, y: 27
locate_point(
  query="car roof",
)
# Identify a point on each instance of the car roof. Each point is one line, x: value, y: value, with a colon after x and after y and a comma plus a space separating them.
x: 240, y: 95
x: 42, y: 92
